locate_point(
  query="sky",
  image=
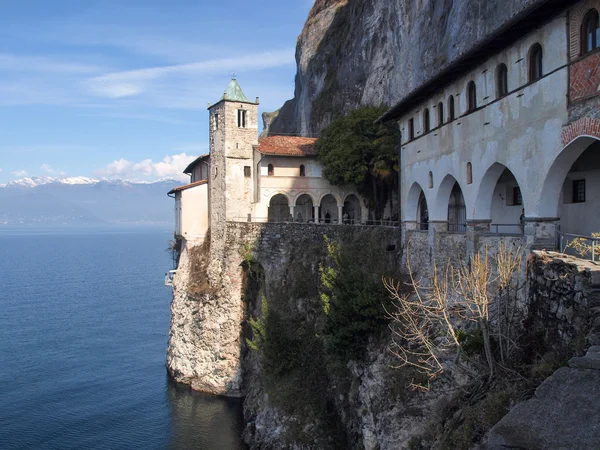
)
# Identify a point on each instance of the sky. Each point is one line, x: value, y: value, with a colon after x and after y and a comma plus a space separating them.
x: 119, y: 88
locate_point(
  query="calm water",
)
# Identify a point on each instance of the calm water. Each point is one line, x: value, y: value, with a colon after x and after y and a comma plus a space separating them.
x: 84, y: 321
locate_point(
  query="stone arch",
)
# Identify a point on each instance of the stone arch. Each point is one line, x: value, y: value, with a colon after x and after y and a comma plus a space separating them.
x: 554, y: 180
x: 412, y: 202
x: 300, y: 194
x: 582, y: 127
x: 334, y: 195
x: 352, y: 210
x: 575, y: 21
x: 483, y: 200
x: 329, y: 205
x: 439, y: 212
x: 279, y: 207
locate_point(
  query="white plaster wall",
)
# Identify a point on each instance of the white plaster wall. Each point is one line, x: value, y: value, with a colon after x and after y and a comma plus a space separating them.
x: 581, y: 218
x: 521, y: 131
x: 193, y: 212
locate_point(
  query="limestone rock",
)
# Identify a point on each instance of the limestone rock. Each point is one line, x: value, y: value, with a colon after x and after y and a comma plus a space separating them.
x: 564, y: 414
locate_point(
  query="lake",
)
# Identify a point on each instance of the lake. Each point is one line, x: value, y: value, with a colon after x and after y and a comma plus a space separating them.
x: 84, y: 324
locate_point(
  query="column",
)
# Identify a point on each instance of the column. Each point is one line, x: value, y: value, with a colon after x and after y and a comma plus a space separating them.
x: 292, y: 213
x: 316, y: 214
x: 475, y: 228
x: 340, y: 207
x: 541, y: 233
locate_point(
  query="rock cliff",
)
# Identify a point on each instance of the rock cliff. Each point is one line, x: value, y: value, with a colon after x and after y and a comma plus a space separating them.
x: 358, y: 52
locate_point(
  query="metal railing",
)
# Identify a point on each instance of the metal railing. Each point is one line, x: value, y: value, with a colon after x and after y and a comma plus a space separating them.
x: 501, y: 228
x: 583, y: 246
x: 322, y: 221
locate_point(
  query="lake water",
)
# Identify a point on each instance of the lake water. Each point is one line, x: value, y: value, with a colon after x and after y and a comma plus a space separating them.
x: 84, y: 323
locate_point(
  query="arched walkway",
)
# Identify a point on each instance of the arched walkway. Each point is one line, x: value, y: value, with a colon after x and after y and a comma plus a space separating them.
x: 304, y: 209
x: 422, y: 214
x: 328, y: 209
x: 457, y: 213
x: 416, y: 208
x: 279, y: 208
x: 352, y: 212
x: 578, y: 202
x: 500, y: 201
x: 554, y: 181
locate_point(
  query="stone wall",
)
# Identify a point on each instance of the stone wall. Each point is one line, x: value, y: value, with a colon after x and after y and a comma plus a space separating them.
x: 564, y: 295
x: 208, y: 311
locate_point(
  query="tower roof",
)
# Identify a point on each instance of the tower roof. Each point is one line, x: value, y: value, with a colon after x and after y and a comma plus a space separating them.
x: 234, y: 92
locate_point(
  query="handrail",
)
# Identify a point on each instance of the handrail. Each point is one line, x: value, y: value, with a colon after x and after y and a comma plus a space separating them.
x: 583, y: 249
x: 353, y: 222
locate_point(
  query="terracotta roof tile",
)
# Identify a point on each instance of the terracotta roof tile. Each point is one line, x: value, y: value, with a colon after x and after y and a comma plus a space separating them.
x: 287, y: 146
x: 187, y: 186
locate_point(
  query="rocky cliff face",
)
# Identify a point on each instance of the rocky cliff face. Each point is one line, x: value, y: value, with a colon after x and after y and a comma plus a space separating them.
x: 359, y: 52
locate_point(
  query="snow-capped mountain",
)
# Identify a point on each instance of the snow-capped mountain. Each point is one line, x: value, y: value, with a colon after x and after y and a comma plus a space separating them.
x: 79, y: 201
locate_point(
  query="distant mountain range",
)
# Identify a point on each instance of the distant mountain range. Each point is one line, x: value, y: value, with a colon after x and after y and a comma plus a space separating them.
x: 81, y: 201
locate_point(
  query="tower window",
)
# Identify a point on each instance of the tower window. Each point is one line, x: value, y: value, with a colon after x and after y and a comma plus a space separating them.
x: 411, y: 129
x: 216, y: 121
x: 578, y: 191
x: 241, y: 118
x: 440, y: 114
x: 451, y: 108
x: 590, y: 32
x: 426, y: 123
x: 430, y: 180
x: 501, y: 80
x: 247, y: 172
x: 270, y: 170
x: 535, y: 63
x: 471, y: 97
x: 302, y: 170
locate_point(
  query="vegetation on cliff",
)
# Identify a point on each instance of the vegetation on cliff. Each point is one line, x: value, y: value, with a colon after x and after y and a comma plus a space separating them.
x: 356, y: 151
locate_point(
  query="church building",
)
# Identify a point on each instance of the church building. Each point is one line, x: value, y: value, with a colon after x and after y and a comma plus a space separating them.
x: 247, y: 178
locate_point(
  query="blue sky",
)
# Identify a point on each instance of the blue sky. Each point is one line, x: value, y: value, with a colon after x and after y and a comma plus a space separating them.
x: 119, y: 88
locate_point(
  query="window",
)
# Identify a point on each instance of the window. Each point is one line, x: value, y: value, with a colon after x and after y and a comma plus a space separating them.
x: 247, y: 172
x: 450, y: 108
x: 426, y: 124
x: 501, y: 81
x: 590, y: 32
x: 440, y: 114
x: 517, y: 198
x: 471, y: 97
x: 430, y: 180
x: 469, y: 173
x: 411, y: 129
x: 270, y: 170
x: 216, y: 121
x: 578, y: 191
x: 241, y: 118
x: 535, y: 63
x: 302, y: 170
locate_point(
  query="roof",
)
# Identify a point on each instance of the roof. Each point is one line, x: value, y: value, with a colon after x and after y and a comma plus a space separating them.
x: 538, y: 12
x: 287, y: 146
x: 187, y: 186
x: 234, y: 92
x: 190, y: 168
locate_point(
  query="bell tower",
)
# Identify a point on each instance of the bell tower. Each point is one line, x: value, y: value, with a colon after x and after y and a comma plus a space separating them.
x: 233, y: 133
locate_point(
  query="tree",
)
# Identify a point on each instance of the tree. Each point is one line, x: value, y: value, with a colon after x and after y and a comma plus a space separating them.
x: 356, y: 151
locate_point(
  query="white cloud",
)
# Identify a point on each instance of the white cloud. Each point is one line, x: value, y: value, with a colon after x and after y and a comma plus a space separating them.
x: 171, y: 166
x: 134, y: 82
x: 19, y: 173
x: 50, y: 171
x: 40, y: 64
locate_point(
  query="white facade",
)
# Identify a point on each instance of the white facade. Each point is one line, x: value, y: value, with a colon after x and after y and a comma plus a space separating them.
x: 507, y: 156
